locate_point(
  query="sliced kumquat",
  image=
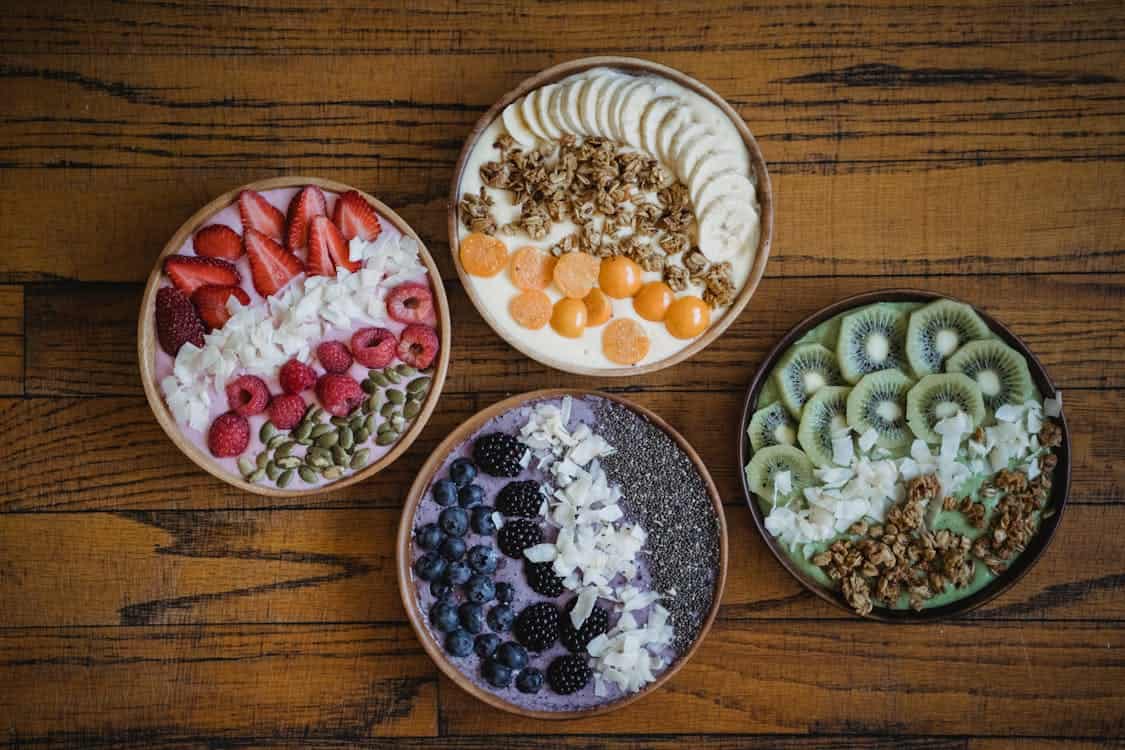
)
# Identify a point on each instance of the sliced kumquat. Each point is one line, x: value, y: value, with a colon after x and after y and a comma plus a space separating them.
x: 687, y: 317
x: 598, y: 309
x: 569, y: 317
x: 531, y: 268
x: 576, y: 273
x: 482, y: 255
x: 620, y: 277
x: 624, y: 342
x: 531, y: 309
x: 652, y: 302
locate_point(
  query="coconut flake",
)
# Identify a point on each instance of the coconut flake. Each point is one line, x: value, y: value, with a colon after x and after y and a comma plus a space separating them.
x: 1052, y: 407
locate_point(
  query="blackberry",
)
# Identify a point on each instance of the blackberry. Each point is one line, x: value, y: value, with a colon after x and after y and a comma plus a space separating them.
x: 516, y: 536
x: 576, y: 640
x: 498, y: 454
x: 537, y: 627
x: 542, y: 579
x: 520, y: 499
x: 568, y: 674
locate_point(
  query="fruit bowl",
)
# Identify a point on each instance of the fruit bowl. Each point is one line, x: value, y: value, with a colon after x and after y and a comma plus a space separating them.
x: 485, y: 569
x: 298, y: 343
x: 656, y: 298
x: 928, y: 512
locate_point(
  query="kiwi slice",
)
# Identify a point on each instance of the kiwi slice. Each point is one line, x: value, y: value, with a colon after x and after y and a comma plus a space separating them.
x: 825, y: 413
x: 772, y: 425
x: 872, y: 338
x: 938, y: 397
x: 769, y: 462
x: 878, y: 402
x: 802, y: 371
x: 998, y: 370
x: 939, y: 329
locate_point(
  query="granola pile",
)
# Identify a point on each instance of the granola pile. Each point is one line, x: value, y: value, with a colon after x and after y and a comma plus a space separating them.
x: 623, y: 203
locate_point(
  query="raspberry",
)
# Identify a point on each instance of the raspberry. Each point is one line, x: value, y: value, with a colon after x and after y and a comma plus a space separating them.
x: 410, y: 303
x: 248, y: 395
x: 229, y: 435
x: 334, y: 356
x: 339, y: 394
x: 537, y: 627
x: 576, y: 639
x: 177, y: 322
x: 520, y: 499
x: 418, y: 346
x: 287, y: 410
x: 296, y: 376
x: 499, y: 454
x: 516, y: 536
x: 568, y: 674
x: 542, y: 579
x: 374, y: 347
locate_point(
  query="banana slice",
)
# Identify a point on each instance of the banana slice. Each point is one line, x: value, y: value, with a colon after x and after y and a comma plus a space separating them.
x: 605, y: 105
x: 588, y: 102
x: 615, y: 104
x: 516, y: 126
x: 571, y: 114
x: 676, y: 118
x: 727, y: 228
x: 529, y: 108
x: 634, y: 102
x: 653, y: 115
x: 710, y: 187
x: 546, y: 116
x: 558, y: 108
x: 694, y: 140
x: 695, y: 152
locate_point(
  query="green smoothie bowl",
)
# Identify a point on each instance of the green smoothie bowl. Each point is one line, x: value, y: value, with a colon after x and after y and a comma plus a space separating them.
x: 905, y: 455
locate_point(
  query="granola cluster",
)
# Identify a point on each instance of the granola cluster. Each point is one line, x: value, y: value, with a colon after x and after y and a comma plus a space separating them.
x: 623, y: 203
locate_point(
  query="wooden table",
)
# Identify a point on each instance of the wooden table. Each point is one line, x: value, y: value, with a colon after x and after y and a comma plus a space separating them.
x: 971, y: 148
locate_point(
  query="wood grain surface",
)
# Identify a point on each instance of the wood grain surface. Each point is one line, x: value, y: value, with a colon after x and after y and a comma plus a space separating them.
x: 973, y: 147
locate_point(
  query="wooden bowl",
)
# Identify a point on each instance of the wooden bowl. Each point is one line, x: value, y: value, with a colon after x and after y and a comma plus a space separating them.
x: 1060, y: 491
x: 146, y: 341
x: 405, y: 547
x: 638, y: 66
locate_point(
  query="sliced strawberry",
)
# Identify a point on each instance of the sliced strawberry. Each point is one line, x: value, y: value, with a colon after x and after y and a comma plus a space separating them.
x: 305, y: 205
x: 189, y: 272
x: 325, y: 243
x: 271, y: 265
x: 355, y: 217
x: 211, y: 302
x: 260, y: 215
x: 218, y: 241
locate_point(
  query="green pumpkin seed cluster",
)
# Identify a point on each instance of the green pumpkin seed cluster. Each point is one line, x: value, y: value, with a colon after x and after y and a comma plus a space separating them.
x: 336, y: 445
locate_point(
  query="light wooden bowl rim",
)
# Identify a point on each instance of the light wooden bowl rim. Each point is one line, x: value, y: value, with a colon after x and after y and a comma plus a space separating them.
x: 1060, y: 490
x: 405, y: 543
x: 757, y: 162
x: 146, y: 340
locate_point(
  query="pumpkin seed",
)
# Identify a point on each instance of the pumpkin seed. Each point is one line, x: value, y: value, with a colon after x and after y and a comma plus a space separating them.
x: 321, y: 430
x: 347, y: 438
x: 273, y: 471
x: 392, y: 376
x: 369, y: 387
x: 378, y: 378
x: 307, y: 474
x: 338, y: 421
x: 385, y: 427
x: 419, y: 386
x: 396, y: 396
x: 328, y: 439
x: 369, y: 424
x: 356, y: 423
x: 316, y: 452
x: 263, y: 459
x: 405, y: 369
x: 246, y: 467
x: 386, y: 438
x: 361, y: 435
x: 310, y: 413
x: 285, y: 478
x: 340, y: 456
x: 359, y: 460
x: 285, y: 449
x: 411, y: 409
x: 304, y: 431
x: 398, y: 423
x: 320, y: 462
x: 333, y: 472
x: 267, y: 431
x: 289, y: 462
x: 388, y: 409
x: 370, y: 404
x: 256, y: 476
x: 305, y: 441
x: 277, y: 440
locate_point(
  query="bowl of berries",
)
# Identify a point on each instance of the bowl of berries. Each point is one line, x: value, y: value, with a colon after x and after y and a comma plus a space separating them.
x: 294, y: 336
x: 562, y: 553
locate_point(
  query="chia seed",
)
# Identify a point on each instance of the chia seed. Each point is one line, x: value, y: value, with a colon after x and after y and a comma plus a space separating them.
x: 668, y: 497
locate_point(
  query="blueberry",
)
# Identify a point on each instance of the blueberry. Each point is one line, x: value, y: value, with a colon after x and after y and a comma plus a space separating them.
x: 472, y: 617
x: 529, y: 680
x: 511, y: 655
x: 483, y: 559
x: 500, y: 618
x: 497, y: 674
x: 486, y: 644
x: 443, y: 616
x: 442, y: 590
x: 505, y: 592
x: 429, y: 536
x: 480, y: 589
x: 480, y: 518
x: 458, y: 573
x: 462, y: 472
x: 429, y: 566
x: 470, y: 496
x: 459, y: 643
x: 444, y: 492
x: 452, y: 549
x: 454, y: 521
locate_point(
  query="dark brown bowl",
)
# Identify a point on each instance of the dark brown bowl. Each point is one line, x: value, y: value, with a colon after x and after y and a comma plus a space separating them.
x: 1023, y: 563
x: 405, y: 546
